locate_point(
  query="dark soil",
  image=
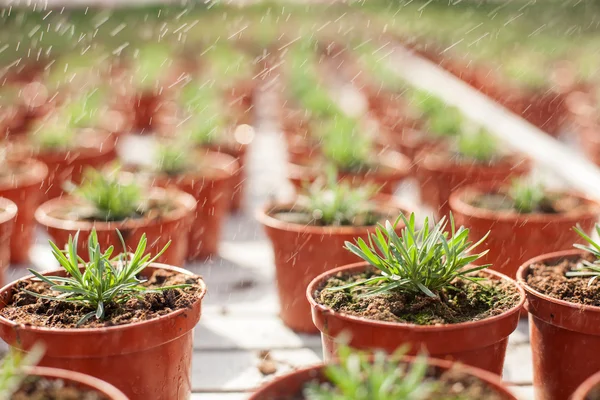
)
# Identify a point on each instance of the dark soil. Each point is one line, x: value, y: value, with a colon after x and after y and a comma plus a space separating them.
x: 39, y: 388
x: 553, y: 204
x: 305, y: 217
x: 551, y: 280
x: 467, y: 301
x: 30, y: 310
x: 594, y: 394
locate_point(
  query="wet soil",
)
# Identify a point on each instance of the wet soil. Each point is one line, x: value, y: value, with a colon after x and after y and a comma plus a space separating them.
x: 465, y: 301
x: 553, y: 204
x: 39, y: 388
x: 550, y: 279
x: 30, y: 310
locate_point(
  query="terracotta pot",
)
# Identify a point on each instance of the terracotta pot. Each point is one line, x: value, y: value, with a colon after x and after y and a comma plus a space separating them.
x: 515, y: 238
x: 171, y: 226
x: 25, y: 191
x: 213, y: 195
x: 394, y: 169
x: 441, y: 176
x: 69, y: 165
x: 585, y: 389
x: 237, y: 151
x: 544, y: 109
x: 564, y: 336
x: 8, y: 213
x: 481, y: 344
x: 589, y: 137
x: 302, y: 252
x: 146, y: 360
x: 78, y: 380
x: 292, y: 384
x: 151, y: 105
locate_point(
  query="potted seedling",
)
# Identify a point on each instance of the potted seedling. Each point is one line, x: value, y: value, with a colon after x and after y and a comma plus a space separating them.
x: 66, y: 150
x: 308, y: 237
x: 207, y: 176
x: 21, y: 182
x: 360, y: 376
x: 354, y: 155
x: 470, y: 158
x: 206, y: 126
x: 106, y: 201
x: 22, y: 106
x: 526, y: 219
x: 419, y: 289
x: 8, y: 213
x: 21, y: 379
x: 564, y: 315
x: 120, y: 318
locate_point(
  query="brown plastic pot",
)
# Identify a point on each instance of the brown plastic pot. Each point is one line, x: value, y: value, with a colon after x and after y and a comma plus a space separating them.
x: 69, y: 165
x: 78, y: 380
x: 145, y: 360
x: 172, y: 226
x: 302, y: 252
x: 213, y: 193
x: 584, y: 391
x: 481, y: 344
x: 25, y: 191
x: 515, y: 237
x: 440, y: 176
x: 395, y: 168
x: 8, y: 213
x: 565, y: 337
x: 292, y: 384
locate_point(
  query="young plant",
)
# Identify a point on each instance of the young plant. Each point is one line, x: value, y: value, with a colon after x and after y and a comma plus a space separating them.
x: 480, y: 146
x: 527, y: 196
x: 445, y: 122
x: 104, y: 281
x: 424, y: 260
x: 53, y: 134
x: 151, y: 61
x: 206, y: 121
x: 172, y: 158
x: 343, y: 145
x: 84, y: 111
x: 587, y: 268
x: 112, y: 198
x: 12, y: 369
x: 333, y: 203
x: 356, y: 376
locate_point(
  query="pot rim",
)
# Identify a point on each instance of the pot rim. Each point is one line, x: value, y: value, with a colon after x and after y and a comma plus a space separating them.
x: 402, y: 325
x: 586, y: 387
x: 523, y: 271
x: 263, y: 216
x: 107, y: 329
x: 98, y: 145
x: 185, y: 204
x: 93, y: 383
x: 36, y: 172
x: 226, y: 163
x: 457, y: 204
x: 10, y: 210
x: 512, y: 161
x: 490, y: 379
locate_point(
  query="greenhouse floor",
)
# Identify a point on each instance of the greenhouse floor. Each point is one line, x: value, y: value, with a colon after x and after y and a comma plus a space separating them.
x: 240, y: 342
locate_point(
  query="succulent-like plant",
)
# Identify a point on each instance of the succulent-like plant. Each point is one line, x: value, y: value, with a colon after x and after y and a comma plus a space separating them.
x: 479, y: 146
x: 104, y: 280
x: 446, y: 122
x: 112, y: 198
x: 12, y: 369
x: 344, y: 145
x: 172, y: 158
x: 85, y: 110
x: 358, y: 376
x: 151, y: 61
x: 588, y: 268
x: 333, y: 203
x: 53, y: 134
x: 527, y: 196
x: 207, y: 120
x: 424, y: 260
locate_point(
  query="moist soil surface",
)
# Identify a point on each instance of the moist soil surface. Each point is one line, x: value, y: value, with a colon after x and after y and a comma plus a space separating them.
x: 594, y: 394
x: 467, y: 301
x: 450, y: 385
x: 553, y: 204
x: 30, y: 310
x: 305, y: 217
x: 40, y: 388
x: 550, y: 279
